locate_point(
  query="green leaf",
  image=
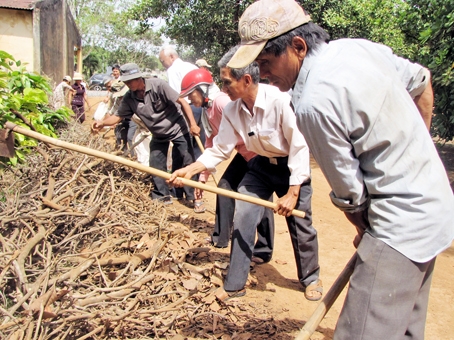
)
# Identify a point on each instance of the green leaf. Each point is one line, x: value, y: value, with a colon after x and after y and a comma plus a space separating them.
x: 35, y: 96
x: 5, y: 55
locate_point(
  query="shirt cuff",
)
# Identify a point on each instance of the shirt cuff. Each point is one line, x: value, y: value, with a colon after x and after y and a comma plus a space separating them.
x: 346, y: 205
x: 206, y: 162
x: 419, y: 83
x: 298, y: 180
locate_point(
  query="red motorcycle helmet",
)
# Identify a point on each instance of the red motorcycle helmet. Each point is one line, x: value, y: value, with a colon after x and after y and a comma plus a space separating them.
x: 193, y: 79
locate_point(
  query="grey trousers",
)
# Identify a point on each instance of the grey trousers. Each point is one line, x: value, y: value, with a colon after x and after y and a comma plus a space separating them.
x: 262, y: 179
x: 225, y: 208
x: 387, y: 297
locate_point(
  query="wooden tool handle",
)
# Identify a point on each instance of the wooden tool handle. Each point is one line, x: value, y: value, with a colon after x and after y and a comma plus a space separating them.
x: 312, y: 323
x: 138, y: 166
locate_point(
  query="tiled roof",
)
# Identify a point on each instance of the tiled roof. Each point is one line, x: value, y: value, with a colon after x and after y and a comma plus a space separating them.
x: 18, y: 4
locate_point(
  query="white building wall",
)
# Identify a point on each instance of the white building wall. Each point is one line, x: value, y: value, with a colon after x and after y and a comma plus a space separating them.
x: 16, y: 35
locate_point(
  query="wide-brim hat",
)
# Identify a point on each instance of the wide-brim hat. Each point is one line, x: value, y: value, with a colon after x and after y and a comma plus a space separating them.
x: 118, y: 89
x: 264, y: 20
x: 77, y: 76
x: 130, y: 71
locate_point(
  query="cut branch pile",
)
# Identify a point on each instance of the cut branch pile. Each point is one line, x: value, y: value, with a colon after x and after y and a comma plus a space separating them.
x: 86, y: 254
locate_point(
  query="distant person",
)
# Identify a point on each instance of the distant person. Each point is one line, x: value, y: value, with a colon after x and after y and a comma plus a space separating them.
x: 125, y: 130
x: 63, y: 93
x: 201, y: 63
x: 176, y: 68
x: 79, y: 99
x: 114, y: 76
x: 116, y: 71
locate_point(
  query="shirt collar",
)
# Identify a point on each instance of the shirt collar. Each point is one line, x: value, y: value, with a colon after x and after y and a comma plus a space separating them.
x: 260, y: 100
x: 176, y: 62
x: 308, y: 63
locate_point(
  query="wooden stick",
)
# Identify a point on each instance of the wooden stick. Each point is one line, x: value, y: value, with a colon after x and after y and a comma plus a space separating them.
x: 312, y: 323
x: 138, y: 166
x: 199, y: 143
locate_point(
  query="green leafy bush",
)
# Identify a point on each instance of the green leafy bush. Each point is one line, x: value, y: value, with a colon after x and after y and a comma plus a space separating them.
x: 24, y: 98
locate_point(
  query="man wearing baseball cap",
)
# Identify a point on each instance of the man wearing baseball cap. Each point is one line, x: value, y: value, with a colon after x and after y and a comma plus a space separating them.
x: 160, y: 109
x: 202, y: 63
x: 359, y: 107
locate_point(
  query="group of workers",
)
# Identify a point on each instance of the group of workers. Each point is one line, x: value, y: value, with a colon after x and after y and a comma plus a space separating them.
x: 364, y: 114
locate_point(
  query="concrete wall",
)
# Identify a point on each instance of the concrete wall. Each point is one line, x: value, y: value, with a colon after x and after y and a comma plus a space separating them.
x: 58, y: 35
x: 52, y: 41
x: 16, y: 35
x: 73, y: 44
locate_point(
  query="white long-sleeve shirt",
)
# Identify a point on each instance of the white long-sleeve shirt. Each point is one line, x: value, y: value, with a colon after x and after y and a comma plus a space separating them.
x: 177, y: 71
x: 270, y: 131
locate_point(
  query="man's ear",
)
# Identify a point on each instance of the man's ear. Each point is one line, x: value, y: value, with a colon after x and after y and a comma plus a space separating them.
x: 247, y: 79
x: 299, y: 46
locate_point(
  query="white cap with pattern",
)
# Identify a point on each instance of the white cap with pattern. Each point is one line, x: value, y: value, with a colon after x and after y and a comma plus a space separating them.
x: 262, y: 21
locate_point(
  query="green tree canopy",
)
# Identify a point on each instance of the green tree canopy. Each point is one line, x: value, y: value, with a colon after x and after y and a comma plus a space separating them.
x: 109, y: 37
x: 437, y: 52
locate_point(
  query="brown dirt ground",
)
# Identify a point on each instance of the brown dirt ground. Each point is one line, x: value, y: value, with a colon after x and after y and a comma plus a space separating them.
x: 287, y: 304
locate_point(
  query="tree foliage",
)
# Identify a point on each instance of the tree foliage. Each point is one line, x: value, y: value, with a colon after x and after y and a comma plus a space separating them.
x: 382, y: 21
x: 109, y: 37
x: 208, y: 27
x: 437, y: 52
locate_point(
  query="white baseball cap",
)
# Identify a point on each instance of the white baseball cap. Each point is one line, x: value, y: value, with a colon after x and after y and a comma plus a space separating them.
x: 202, y: 62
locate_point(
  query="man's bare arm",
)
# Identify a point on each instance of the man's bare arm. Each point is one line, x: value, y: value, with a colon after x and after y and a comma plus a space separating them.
x: 425, y: 103
x: 194, y: 128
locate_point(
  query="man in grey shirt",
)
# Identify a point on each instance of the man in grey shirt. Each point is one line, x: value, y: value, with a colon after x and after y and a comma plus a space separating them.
x: 359, y: 107
x: 159, y: 107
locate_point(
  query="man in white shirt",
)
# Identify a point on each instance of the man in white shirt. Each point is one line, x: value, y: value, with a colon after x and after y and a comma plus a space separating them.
x: 261, y: 116
x: 176, y: 68
x: 63, y: 93
x: 365, y: 113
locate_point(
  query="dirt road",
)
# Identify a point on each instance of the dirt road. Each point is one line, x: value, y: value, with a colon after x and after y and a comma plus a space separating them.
x: 287, y: 302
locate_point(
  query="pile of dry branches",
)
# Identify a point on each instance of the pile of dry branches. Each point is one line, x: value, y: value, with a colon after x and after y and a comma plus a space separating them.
x: 86, y: 254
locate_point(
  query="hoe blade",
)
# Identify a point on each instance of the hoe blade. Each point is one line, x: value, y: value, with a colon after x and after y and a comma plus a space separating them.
x: 6, y: 143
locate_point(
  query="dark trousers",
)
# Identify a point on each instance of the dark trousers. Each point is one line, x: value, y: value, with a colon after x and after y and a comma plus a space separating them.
x: 262, y: 179
x: 225, y: 208
x: 184, y: 155
x: 80, y: 112
x: 387, y: 297
x: 197, y: 112
x: 124, y: 134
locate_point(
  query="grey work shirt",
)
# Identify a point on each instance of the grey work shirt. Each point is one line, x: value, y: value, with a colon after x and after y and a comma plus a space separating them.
x: 159, y: 110
x: 354, y: 105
